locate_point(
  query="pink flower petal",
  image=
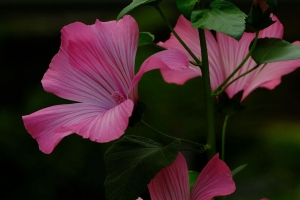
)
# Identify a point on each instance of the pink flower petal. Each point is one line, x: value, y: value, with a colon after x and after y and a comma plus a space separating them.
x: 233, y: 56
x: 190, y: 36
x: 225, y: 54
x: 171, y: 182
x: 50, y: 125
x: 270, y: 75
x: 94, y: 61
x: 275, y: 30
x: 233, y: 53
x: 180, y: 76
x: 214, y: 180
x: 168, y: 60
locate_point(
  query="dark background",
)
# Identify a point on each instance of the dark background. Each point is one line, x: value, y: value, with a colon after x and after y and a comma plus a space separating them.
x: 266, y: 134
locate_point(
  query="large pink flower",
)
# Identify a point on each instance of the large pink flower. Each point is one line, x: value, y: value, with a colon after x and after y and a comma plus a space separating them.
x: 95, y: 67
x: 172, y: 182
x: 225, y: 54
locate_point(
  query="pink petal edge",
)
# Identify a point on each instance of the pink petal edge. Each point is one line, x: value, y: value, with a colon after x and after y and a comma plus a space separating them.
x: 214, y: 180
x: 172, y: 182
x: 50, y: 125
x: 167, y: 60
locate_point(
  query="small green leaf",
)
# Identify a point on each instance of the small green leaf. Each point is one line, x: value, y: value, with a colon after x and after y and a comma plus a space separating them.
x: 132, y: 162
x: 192, y: 178
x: 238, y: 169
x: 222, y: 16
x: 269, y: 50
x: 145, y: 38
x: 186, y: 7
x: 134, y: 4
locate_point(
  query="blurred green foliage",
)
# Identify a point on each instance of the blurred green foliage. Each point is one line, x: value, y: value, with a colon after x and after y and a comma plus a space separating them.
x: 266, y: 134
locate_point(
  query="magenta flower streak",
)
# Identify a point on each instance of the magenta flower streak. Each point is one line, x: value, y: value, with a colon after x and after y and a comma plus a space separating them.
x: 225, y: 54
x: 95, y: 67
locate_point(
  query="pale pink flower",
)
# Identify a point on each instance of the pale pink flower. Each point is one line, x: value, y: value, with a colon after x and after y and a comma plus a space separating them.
x: 95, y: 67
x: 172, y: 182
x: 225, y: 54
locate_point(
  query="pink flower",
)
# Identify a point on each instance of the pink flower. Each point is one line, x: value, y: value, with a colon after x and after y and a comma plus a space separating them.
x: 95, y: 67
x: 225, y: 54
x: 172, y: 182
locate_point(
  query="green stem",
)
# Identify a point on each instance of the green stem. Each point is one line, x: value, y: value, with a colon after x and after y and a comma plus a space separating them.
x: 184, y: 140
x: 240, y: 76
x: 177, y: 36
x: 208, y: 98
x: 239, y: 67
x: 223, y: 137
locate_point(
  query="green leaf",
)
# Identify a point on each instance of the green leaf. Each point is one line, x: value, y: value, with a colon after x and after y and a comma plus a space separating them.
x: 186, y: 7
x: 222, y: 16
x: 132, y: 162
x: 238, y: 169
x: 192, y: 178
x: 134, y: 4
x: 145, y: 38
x: 269, y: 50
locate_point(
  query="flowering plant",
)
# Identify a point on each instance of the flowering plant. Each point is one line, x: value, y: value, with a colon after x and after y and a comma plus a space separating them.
x: 95, y: 68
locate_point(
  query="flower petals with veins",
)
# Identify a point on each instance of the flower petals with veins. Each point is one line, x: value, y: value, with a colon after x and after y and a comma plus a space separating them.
x: 225, y: 54
x: 93, y: 61
x: 167, y: 60
x: 172, y: 182
x: 50, y: 125
x: 214, y: 180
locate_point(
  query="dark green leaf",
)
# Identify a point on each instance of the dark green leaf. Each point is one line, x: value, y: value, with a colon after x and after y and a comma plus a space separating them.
x: 222, y: 16
x: 132, y: 162
x: 145, y: 38
x: 269, y: 50
x: 186, y: 7
x: 134, y: 4
x: 192, y: 178
x: 238, y: 169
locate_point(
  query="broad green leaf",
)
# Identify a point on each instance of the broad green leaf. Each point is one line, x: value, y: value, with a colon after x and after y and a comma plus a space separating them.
x: 145, y: 38
x: 238, y: 169
x: 269, y: 50
x: 134, y: 4
x: 192, y: 178
x: 186, y: 7
x: 132, y: 162
x: 222, y: 16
